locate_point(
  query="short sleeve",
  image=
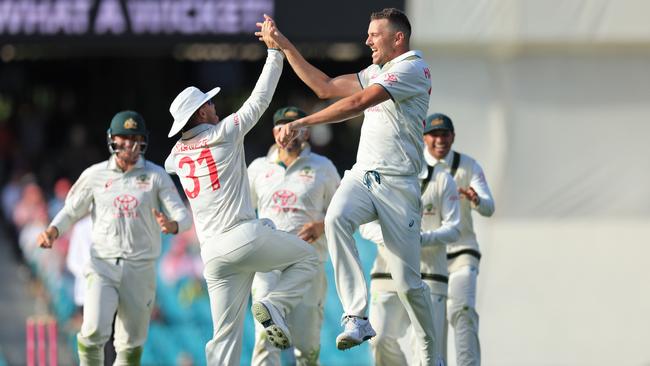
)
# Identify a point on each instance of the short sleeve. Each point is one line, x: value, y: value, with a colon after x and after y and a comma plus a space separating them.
x: 404, y: 80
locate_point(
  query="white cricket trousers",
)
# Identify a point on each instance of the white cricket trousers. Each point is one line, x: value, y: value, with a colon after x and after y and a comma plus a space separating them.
x: 229, y: 276
x: 304, y: 321
x: 391, y: 322
x: 395, y: 201
x: 125, y: 286
x: 462, y: 315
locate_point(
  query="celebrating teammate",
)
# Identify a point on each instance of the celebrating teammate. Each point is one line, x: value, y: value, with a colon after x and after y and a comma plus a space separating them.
x: 463, y: 256
x: 393, y: 93
x: 293, y: 187
x: 129, y: 199
x: 209, y: 159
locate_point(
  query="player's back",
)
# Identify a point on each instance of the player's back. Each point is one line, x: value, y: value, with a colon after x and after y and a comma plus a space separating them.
x: 210, y: 164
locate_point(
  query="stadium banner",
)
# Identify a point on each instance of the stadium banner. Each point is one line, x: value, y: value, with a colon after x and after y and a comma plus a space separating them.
x: 106, y: 21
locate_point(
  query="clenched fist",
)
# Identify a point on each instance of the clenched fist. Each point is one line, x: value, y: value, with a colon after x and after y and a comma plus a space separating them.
x: 47, y: 237
x: 166, y: 226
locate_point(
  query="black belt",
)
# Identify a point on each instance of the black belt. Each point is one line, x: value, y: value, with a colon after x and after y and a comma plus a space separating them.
x: 472, y: 252
x: 425, y: 276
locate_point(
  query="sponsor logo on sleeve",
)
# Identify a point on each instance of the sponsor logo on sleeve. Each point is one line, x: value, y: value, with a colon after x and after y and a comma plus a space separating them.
x: 390, y: 78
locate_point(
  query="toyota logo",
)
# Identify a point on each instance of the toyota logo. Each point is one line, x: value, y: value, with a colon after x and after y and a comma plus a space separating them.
x: 284, y: 197
x: 125, y: 202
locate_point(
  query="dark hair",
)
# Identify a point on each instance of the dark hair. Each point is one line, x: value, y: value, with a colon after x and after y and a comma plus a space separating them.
x: 396, y: 18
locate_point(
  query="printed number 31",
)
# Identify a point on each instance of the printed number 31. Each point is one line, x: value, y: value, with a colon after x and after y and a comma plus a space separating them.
x: 206, y: 157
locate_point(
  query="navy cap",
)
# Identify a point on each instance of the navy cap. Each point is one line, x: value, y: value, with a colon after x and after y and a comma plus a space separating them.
x: 438, y: 121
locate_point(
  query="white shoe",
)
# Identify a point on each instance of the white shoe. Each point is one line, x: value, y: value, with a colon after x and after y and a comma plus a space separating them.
x: 357, y: 331
x: 274, y: 325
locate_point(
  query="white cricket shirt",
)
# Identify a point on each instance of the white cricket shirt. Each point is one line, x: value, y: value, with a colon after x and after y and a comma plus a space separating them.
x: 123, y: 224
x: 391, y: 134
x: 295, y: 195
x: 468, y: 174
x: 209, y: 160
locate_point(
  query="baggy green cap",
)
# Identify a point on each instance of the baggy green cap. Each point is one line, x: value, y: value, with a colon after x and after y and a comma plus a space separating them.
x: 288, y: 114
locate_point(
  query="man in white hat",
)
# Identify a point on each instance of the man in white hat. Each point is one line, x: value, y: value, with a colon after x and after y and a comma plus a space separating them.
x: 209, y: 159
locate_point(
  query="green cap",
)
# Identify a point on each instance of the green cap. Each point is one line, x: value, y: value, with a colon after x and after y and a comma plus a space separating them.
x: 128, y: 123
x: 287, y: 114
x: 438, y: 121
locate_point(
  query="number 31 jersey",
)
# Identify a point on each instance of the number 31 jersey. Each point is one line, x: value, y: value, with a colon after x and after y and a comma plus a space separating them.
x: 209, y: 160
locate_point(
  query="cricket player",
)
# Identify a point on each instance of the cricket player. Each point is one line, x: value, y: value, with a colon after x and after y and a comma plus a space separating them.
x: 441, y: 226
x: 464, y: 255
x: 209, y: 159
x: 293, y: 187
x: 393, y: 93
x: 130, y: 200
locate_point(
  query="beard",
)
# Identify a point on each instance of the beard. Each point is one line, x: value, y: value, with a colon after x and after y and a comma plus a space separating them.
x: 294, y: 146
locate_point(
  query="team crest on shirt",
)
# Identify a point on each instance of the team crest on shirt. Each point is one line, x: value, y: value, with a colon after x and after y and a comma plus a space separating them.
x: 143, y: 182
x: 126, y: 205
x: 429, y: 209
x: 307, y: 174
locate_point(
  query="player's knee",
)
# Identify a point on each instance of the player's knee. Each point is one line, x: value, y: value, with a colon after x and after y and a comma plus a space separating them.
x: 337, y: 220
x: 92, y: 335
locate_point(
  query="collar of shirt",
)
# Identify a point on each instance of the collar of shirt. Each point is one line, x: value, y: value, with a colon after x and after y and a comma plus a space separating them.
x: 196, y: 130
x: 112, y: 163
x: 402, y: 57
x: 433, y: 161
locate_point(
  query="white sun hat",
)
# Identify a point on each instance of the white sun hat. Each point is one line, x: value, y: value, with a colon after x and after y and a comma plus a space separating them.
x: 185, y: 104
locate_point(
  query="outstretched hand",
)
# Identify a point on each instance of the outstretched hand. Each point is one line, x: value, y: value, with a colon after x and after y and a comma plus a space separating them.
x: 166, y: 226
x: 270, y: 34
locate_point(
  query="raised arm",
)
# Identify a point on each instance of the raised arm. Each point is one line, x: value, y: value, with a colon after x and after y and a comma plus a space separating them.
x: 324, y: 86
x: 342, y: 110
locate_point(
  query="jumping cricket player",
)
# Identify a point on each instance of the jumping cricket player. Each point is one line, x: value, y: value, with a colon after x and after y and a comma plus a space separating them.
x: 441, y: 226
x: 393, y: 93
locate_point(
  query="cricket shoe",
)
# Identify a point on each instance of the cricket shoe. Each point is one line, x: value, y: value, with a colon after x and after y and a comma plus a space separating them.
x: 274, y: 325
x: 356, y: 331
